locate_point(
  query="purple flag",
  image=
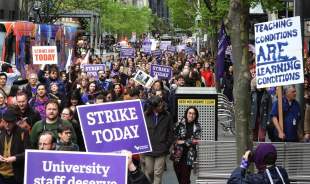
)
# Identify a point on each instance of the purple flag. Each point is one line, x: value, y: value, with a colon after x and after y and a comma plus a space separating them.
x: 222, y: 45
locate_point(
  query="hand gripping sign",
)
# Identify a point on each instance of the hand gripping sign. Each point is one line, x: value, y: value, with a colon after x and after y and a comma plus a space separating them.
x: 111, y: 127
x: 64, y: 167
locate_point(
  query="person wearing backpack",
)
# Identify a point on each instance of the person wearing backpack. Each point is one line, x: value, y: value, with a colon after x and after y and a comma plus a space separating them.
x: 264, y: 157
x: 51, y: 123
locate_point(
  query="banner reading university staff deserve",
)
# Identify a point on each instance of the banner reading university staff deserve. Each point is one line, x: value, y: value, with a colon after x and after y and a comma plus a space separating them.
x: 116, y: 126
x: 63, y: 167
x: 278, y: 48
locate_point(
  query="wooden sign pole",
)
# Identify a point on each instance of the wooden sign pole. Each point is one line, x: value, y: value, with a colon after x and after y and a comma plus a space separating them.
x: 280, y: 111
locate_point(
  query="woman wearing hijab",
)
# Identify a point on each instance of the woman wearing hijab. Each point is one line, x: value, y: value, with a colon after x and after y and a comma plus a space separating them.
x: 265, y: 157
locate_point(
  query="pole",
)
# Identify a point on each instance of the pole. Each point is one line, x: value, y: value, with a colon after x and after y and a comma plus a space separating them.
x: 298, y: 11
x: 280, y: 105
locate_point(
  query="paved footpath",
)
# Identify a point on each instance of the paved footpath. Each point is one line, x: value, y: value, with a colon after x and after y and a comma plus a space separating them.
x: 169, y: 176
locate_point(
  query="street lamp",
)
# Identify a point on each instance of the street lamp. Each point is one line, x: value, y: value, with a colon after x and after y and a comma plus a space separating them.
x: 36, y: 8
x: 198, y: 19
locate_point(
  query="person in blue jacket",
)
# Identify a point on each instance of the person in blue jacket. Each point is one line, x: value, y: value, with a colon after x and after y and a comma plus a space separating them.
x: 265, y: 157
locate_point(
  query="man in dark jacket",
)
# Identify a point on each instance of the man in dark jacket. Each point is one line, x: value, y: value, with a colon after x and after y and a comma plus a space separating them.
x: 160, y: 128
x: 13, y: 142
x: 29, y: 115
x: 264, y: 158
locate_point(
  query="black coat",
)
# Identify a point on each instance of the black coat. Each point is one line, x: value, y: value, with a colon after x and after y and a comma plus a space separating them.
x: 240, y: 176
x: 20, y: 142
x: 31, y: 115
x: 137, y: 177
x: 161, y: 135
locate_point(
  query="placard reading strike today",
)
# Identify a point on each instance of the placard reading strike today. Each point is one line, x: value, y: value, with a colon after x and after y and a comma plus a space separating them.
x: 63, y: 167
x: 161, y: 71
x: 278, y: 48
x: 116, y: 126
x: 92, y: 69
x: 44, y: 54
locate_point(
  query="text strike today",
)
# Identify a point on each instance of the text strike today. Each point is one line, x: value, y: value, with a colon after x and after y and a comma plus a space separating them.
x: 113, y: 116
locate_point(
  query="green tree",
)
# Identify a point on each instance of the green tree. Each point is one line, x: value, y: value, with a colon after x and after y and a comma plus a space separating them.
x: 116, y: 17
x: 238, y: 22
x: 125, y: 19
x: 184, y: 12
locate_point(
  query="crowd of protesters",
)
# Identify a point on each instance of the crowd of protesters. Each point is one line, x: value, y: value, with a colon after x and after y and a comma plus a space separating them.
x: 40, y: 112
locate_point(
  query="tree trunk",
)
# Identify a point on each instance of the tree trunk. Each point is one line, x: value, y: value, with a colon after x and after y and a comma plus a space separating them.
x: 238, y: 24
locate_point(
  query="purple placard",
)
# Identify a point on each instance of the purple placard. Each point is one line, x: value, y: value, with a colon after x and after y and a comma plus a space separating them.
x: 164, y: 44
x: 92, y: 69
x: 127, y: 53
x: 171, y: 49
x: 181, y: 47
x: 161, y: 71
x: 156, y: 53
x: 189, y: 51
x: 147, y: 45
x: 63, y: 167
x: 115, y: 126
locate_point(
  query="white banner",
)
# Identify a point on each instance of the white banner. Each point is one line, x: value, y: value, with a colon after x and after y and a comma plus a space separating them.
x: 278, y: 48
x: 44, y: 55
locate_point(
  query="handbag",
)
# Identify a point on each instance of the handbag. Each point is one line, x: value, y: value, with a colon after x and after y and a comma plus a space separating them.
x: 176, y: 153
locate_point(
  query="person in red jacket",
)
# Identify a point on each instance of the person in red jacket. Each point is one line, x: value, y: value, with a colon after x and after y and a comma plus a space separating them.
x: 207, y: 75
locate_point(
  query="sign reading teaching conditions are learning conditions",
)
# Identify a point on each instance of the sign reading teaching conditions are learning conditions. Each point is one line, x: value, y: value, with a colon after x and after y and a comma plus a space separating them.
x: 278, y: 48
x: 116, y: 126
x: 44, y: 55
x: 63, y: 167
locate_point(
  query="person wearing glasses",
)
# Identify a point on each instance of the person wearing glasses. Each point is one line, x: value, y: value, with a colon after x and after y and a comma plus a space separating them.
x: 68, y: 115
x: 46, y: 141
x: 64, y: 142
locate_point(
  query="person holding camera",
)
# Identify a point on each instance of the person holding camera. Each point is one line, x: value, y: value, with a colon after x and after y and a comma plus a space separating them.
x: 265, y: 157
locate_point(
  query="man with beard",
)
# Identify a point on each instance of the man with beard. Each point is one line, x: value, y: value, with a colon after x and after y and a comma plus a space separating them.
x: 50, y: 123
x: 39, y: 101
x: 103, y: 83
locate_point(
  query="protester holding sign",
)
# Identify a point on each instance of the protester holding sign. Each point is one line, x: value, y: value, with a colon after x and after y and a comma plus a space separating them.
x: 291, y: 117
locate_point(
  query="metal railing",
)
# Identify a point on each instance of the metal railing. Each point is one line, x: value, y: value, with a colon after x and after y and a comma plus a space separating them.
x: 226, y: 118
x: 217, y: 159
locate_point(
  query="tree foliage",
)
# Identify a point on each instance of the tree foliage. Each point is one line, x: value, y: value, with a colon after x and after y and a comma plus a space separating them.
x: 184, y: 12
x: 115, y: 17
x: 125, y: 19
